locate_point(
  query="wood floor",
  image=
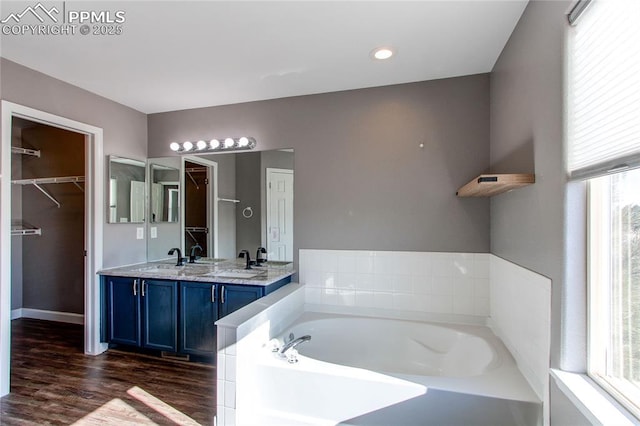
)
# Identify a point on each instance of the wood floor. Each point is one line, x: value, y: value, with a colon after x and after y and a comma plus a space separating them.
x: 54, y: 383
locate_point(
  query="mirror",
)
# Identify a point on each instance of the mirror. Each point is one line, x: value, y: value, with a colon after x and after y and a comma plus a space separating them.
x: 164, y: 198
x: 253, y: 207
x: 127, y: 186
x: 164, y: 207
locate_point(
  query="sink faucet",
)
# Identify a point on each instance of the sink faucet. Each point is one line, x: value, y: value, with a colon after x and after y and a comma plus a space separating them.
x: 245, y: 254
x: 180, y: 258
x: 192, y: 254
x: 292, y: 344
x: 259, y: 259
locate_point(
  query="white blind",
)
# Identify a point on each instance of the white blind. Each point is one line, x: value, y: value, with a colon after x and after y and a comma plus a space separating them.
x: 604, y: 89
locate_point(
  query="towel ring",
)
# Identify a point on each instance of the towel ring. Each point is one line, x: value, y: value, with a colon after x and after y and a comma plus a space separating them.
x: 247, y: 212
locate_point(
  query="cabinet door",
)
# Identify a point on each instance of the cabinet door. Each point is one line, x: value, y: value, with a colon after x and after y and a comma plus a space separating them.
x: 234, y: 297
x: 160, y: 314
x: 198, y: 313
x: 124, y: 310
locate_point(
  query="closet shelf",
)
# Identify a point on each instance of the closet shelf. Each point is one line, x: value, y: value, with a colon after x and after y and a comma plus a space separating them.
x: 229, y: 200
x: 25, y: 231
x: 493, y: 184
x: 25, y: 151
x: 39, y: 181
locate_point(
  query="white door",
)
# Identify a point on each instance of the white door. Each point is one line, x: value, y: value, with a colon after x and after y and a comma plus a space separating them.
x: 280, y: 214
x: 137, y: 200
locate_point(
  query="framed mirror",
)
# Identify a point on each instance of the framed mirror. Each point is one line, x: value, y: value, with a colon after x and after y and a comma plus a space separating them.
x: 127, y: 190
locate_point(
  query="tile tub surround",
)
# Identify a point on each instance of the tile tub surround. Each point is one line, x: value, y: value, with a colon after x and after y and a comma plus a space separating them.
x: 239, y: 334
x: 427, y: 282
x: 521, y: 317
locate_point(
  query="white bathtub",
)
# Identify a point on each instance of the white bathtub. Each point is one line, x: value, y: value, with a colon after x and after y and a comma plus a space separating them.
x: 358, y: 370
x: 398, y: 347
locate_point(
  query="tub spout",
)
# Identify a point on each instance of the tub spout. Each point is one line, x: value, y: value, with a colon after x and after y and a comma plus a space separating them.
x: 292, y: 344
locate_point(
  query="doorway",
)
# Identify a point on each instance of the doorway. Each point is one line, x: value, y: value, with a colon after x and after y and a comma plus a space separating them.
x: 199, y: 209
x: 92, y: 219
x: 280, y: 214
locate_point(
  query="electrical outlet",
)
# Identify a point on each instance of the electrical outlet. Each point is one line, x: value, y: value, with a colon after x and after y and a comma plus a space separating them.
x: 140, y: 233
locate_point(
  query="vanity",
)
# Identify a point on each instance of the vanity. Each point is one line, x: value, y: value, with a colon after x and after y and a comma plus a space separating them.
x: 159, y: 306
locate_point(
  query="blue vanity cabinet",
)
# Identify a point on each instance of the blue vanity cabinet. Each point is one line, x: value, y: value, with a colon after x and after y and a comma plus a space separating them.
x: 123, y: 305
x: 198, y: 313
x: 159, y: 314
x: 142, y: 312
x: 234, y: 297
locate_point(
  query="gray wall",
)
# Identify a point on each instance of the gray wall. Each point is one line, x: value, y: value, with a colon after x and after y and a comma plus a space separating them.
x: 248, y: 235
x: 527, y: 225
x: 125, y: 134
x: 361, y: 181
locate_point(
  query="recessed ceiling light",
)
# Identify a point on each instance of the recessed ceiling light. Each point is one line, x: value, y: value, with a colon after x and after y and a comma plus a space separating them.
x: 382, y: 53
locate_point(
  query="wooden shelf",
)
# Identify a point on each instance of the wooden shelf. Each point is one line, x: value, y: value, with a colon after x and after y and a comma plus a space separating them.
x: 490, y: 185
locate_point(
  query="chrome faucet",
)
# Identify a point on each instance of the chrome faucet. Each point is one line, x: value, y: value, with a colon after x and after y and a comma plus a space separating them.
x: 180, y: 258
x: 293, y: 343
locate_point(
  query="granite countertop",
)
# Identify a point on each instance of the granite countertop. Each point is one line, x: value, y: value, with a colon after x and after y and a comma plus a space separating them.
x: 226, y: 271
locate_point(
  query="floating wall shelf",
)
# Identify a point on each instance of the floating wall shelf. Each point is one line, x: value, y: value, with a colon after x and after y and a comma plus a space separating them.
x: 490, y: 185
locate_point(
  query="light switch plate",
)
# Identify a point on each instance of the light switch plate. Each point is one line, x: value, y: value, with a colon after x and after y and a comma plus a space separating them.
x: 154, y: 232
x: 140, y: 233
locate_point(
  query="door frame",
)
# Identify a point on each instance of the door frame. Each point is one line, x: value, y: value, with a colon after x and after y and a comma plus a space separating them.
x: 212, y: 202
x: 268, y: 172
x: 93, y: 223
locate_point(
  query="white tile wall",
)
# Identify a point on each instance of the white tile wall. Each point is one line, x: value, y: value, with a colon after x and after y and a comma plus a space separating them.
x: 521, y: 317
x: 443, y: 283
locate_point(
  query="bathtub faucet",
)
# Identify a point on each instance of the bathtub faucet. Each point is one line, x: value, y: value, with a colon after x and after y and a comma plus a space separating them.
x: 292, y: 344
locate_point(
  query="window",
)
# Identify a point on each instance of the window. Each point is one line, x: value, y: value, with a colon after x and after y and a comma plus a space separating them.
x: 614, y: 276
x: 604, y: 150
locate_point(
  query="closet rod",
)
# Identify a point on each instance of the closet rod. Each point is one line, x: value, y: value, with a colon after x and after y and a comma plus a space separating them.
x: 229, y: 200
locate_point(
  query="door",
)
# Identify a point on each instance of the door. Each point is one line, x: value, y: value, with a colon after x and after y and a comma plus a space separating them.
x: 234, y: 297
x: 159, y: 307
x: 124, y: 310
x: 280, y: 214
x: 198, y: 313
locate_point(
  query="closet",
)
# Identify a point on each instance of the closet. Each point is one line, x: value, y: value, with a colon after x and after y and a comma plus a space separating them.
x: 47, y: 222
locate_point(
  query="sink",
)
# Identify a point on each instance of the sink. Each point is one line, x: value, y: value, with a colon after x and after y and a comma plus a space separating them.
x: 277, y: 263
x: 238, y: 274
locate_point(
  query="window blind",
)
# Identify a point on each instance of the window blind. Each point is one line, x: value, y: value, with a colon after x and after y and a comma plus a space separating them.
x: 604, y: 90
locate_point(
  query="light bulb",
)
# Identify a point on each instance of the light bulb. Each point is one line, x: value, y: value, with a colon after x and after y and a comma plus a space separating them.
x: 243, y: 141
x: 214, y: 144
x: 187, y: 146
x: 228, y: 143
x: 201, y: 145
x: 174, y: 146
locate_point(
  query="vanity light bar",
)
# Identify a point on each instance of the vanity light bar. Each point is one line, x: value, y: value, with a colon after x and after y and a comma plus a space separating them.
x: 214, y: 145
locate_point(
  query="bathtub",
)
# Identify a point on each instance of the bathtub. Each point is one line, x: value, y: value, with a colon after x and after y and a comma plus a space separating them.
x: 361, y: 370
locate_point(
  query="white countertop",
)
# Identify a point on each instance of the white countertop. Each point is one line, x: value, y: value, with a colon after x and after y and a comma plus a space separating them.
x: 225, y: 271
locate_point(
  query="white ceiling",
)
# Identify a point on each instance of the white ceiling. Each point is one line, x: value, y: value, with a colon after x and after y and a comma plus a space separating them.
x: 177, y: 55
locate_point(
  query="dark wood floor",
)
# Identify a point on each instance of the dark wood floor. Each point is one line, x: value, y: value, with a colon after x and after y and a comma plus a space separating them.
x: 54, y: 383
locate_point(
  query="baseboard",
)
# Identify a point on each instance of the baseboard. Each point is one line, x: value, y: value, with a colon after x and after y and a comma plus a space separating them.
x: 47, y: 315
